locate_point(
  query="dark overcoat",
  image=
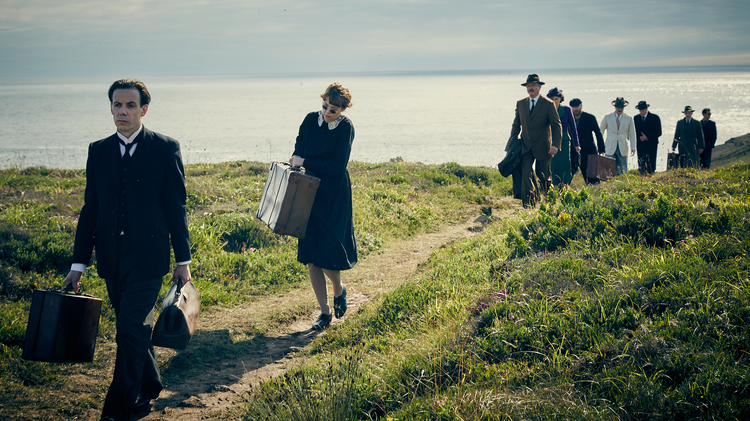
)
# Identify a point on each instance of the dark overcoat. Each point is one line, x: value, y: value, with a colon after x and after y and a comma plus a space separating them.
x: 329, y: 242
x: 689, y: 136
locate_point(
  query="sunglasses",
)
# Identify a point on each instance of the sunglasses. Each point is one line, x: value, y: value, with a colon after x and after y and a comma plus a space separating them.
x: 333, y: 111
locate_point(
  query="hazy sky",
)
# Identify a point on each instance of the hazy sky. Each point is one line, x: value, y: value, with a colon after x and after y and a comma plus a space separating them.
x: 187, y: 37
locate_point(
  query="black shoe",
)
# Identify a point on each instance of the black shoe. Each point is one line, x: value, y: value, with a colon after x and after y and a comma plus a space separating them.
x: 339, y: 303
x: 141, y: 405
x: 105, y: 418
x: 324, y: 320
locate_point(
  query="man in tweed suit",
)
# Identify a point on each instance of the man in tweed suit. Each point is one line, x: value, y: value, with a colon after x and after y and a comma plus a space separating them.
x: 539, y: 124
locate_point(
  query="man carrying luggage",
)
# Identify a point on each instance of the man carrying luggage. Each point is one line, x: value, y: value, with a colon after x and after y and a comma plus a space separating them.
x: 689, y: 136
x: 538, y: 123
x: 134, y: 205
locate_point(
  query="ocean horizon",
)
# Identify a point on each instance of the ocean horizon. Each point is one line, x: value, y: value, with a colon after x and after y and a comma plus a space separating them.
x: 432, y: 117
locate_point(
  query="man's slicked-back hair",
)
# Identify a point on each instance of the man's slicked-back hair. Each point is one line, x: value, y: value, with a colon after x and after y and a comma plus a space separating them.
x: 131, y: 84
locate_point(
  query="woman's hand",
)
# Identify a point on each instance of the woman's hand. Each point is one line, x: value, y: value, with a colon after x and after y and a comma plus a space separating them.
x: 296, y: 161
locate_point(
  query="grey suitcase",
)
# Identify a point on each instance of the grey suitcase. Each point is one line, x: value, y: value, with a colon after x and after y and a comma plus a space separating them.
x: 287, y: 199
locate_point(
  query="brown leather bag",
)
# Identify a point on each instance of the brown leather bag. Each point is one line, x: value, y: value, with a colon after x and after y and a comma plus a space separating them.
x: 179, y: 314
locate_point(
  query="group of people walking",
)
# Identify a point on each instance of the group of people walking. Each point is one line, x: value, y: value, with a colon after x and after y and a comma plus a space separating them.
x: 549, y: 141
x: 134, y: 209
x: 134, y: 212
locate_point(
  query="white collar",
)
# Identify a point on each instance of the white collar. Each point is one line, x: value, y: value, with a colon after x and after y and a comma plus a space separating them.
x: 332, y: 125
x: 132, y: 137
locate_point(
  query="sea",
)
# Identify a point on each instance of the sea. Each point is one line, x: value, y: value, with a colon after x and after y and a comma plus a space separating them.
x: 428, y: 117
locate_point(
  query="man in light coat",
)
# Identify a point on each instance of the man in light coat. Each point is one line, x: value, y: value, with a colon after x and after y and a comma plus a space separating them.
x: 689, y: 135
x: 620, y: 128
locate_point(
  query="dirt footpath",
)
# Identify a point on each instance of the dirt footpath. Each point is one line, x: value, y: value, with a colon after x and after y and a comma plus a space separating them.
x: 214, y: 394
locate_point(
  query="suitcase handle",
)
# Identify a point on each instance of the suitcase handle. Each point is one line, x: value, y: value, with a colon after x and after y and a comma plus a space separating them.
x: 69, y: 290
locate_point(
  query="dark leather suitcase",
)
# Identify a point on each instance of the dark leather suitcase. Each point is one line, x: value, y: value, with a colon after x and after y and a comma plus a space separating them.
x: 600, y: 167
x: 62, y: 327
x: 673, y: 160
x: 287, y: 199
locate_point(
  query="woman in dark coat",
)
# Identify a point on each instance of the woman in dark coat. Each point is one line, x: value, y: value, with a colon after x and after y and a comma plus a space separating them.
x: 323, y: 147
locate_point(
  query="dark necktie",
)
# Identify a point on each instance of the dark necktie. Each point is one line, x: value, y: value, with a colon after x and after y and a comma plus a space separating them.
x: 126, y: 156
x: 533, y: 102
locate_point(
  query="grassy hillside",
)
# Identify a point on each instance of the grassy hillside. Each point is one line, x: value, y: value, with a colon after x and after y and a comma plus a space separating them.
x: 235, y: 258
x: 630, y: 300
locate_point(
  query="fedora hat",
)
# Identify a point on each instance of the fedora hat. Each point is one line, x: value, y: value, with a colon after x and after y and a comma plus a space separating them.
x: 688, y: 109
x: 642, y: 105
x: 532, y: 78
x: 620, y: 102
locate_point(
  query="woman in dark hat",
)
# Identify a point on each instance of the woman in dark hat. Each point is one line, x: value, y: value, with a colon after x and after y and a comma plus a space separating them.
x: 323, y: 147
x: 561, y: 169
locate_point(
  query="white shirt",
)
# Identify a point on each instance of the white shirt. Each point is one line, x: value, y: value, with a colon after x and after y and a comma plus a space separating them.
x: 129, y: 140
x: 532, y: 102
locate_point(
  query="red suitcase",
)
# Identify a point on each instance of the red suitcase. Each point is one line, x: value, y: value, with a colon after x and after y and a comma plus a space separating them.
x: 62, y: 327
x: 600, y: 167
x: 287, y: 199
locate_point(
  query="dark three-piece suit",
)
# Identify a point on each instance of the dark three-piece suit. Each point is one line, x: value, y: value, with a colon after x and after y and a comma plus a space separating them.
x: 650, y: 126
x: 133, y: 209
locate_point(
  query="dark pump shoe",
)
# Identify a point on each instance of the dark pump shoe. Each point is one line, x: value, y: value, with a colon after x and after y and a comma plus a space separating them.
x: 339, y: 304
x: 324, y: 320
x: 105, y: 418
x: 141, y: 405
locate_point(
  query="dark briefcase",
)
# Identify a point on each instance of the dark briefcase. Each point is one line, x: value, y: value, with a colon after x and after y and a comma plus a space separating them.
x: 177, y: 317
x: 287, y: 199
x: 600, y: 167
x: 62, y: 327
x: 673, y: 160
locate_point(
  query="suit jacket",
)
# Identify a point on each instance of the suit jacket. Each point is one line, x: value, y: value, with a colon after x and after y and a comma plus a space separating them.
x: 539, y: 129
x: 689, y: 136
x: 588, y: 128
x: 709, y: 133
x: 618, y: 137
x: 651, y: 128
x: 155, y: 190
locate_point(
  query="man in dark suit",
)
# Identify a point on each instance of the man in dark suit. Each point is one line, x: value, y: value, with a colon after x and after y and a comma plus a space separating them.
x: 709, y: 137
x: 134, y: 205
x: 539, y: 124
x: 587, y: 128
x: 647, y: 130
x: 689, y: 135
